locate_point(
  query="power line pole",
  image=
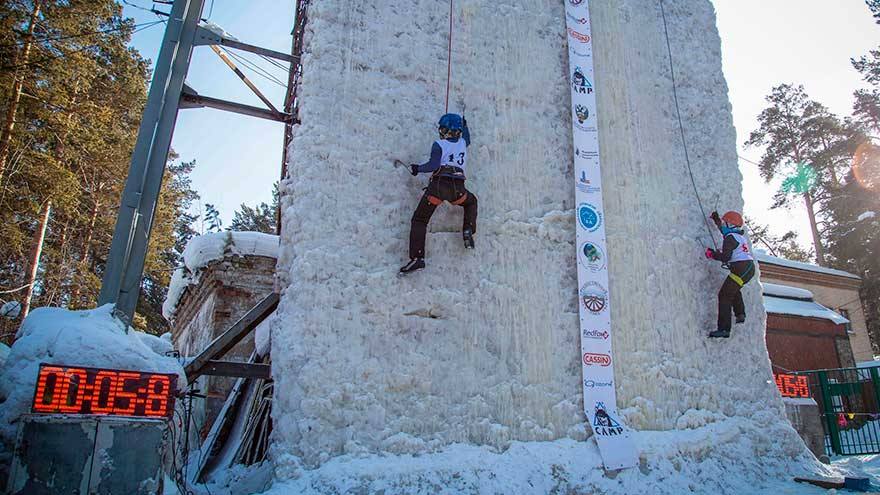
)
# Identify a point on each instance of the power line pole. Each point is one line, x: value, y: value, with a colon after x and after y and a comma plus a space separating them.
x: 125, y: 263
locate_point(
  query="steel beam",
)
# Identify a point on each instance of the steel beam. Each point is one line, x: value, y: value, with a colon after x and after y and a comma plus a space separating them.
x: 189, y: 100
x: 125, y: 263
x: 237, y: 369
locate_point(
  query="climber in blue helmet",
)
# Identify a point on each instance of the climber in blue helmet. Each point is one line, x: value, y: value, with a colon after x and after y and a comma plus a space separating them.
x: 447, y: 168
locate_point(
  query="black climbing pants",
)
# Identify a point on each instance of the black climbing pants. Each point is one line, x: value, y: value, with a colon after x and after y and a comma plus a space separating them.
x: 440, y: 189
x: 730, y: 296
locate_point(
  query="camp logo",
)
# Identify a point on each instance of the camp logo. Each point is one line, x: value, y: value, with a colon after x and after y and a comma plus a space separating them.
x: 586, y: 185
x: 591, y: 256
x: 581, y: 84
x: 594, y: 297
x: 582, y: 37
x: 593, y: 359
x: 589, y: 217
x: 604, y: 424
x: 575, y: 2
x: 596, y: 334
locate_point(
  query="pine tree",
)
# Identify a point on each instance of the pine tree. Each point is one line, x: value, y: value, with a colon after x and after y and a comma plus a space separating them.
x: 808, y: 145
x: 261, y: 218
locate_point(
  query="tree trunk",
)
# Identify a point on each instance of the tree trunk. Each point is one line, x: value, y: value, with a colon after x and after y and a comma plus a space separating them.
x: 85, y: 250
x: 15, y: 93
x: 817, y: 242
x: 34, y: 263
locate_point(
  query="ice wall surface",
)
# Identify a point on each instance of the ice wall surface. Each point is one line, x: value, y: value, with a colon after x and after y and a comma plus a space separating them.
x: 482, y: 346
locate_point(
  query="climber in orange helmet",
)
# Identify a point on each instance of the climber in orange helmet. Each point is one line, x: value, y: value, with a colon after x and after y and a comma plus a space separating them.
x: 736, y: 255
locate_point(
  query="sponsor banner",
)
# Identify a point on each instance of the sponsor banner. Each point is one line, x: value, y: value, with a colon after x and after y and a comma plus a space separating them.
x: 597, y: 361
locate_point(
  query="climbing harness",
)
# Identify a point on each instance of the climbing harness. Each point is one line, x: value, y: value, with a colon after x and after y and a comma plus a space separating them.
x: 449, y: 59
x: 739, y: 280
x: 681, y: 127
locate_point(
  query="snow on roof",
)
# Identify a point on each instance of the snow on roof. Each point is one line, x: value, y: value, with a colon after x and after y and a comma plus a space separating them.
x: 773, y: 260
x: 91, y: 338
x: 809, y: 309
x: 786, y: 291
x: 203, y: 249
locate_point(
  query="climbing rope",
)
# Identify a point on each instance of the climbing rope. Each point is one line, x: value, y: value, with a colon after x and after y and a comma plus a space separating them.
x: 681, y: 128
x: 449, y: 59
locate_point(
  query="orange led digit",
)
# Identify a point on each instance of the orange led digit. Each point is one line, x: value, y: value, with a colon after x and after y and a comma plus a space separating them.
x: 78, y: 390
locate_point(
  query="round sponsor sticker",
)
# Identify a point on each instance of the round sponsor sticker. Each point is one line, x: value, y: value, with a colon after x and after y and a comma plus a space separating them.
x: 591, y: 256
x: 589, y: 217
x: 594, y: 297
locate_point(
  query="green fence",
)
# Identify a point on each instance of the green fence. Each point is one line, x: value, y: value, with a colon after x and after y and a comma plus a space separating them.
x: 849, y: 404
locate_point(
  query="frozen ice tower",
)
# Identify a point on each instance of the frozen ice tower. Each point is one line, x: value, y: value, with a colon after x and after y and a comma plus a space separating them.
x: 481, y: 349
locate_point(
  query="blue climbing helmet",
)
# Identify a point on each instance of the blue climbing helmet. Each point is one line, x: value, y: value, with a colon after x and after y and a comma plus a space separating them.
x: 451, y: 121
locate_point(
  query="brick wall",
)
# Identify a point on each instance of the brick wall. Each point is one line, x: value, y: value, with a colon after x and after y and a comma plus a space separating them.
x: 797, y: 343
x: 832, y: 291
x: 226, y: 290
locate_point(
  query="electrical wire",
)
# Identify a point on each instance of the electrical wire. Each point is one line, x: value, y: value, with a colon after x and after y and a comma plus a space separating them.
x: 681, y: 128
x: 83, y: 34
x: 255, y: 68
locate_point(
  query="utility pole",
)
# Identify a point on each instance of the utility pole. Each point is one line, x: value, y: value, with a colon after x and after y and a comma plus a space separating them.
x: 168, y: 94
x: 125, y: 263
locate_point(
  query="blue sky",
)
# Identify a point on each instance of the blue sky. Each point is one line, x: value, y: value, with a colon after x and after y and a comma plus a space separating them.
x: 764, y: 43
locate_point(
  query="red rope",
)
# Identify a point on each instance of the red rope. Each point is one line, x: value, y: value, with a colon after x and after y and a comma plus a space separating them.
x: 449, y: 59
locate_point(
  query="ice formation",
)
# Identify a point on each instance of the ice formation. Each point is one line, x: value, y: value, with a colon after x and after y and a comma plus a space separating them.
x: 482, y: 347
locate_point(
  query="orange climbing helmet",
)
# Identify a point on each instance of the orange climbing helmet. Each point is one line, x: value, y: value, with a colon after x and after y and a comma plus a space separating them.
x: 733, y: 218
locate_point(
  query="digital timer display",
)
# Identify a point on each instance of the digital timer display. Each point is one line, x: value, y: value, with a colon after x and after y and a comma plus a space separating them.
x: 75, y: 390
x: 795, y: 386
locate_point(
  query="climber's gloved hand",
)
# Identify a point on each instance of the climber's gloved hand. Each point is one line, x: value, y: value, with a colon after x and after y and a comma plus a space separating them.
x: 463, y: 121
x: 715, y: 218
x: 414, y: 169
x: 710, y: 254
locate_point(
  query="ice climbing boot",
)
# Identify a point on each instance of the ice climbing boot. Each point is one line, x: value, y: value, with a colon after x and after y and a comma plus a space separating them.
x: 719, y: 334
x: 413, y: 265
x: 740, y: 319
x: 468, y: 237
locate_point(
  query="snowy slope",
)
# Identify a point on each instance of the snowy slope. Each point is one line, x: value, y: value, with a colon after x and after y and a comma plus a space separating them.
x: 482, y: 347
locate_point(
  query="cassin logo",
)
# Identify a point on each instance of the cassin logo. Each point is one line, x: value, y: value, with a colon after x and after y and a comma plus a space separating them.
x: 591, y: 256
x: 589, y: 217
x: 604, y: 424
x: 582, y: 37
x: 580, y: 83
x: 594, y: 297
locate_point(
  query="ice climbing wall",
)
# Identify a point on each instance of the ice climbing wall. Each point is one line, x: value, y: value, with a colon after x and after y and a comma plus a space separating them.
x: 482, y: 347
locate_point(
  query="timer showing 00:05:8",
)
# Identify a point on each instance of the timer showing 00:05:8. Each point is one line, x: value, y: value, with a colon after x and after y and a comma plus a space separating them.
x: 77, y: 390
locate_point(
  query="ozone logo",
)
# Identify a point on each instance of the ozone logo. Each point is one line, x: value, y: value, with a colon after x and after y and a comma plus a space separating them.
x: 595, y: 384
x: 592, y: 359
x: 589, y: 217
x: 594, y: 297
x: 591, y: 256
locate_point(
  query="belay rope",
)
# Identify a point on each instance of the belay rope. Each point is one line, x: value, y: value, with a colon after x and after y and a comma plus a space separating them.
x: 681, y: 127
x: 449, y: 59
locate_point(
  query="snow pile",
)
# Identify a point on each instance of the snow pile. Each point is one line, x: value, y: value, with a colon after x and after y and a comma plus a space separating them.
x: 786, y: 291
x: 203, y: 249
x: 481, y: 348
x: 807, y: 309
x: 716, y: 458
x: 92, y: 338
x: 764, y: 258
x: 866, y: 215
